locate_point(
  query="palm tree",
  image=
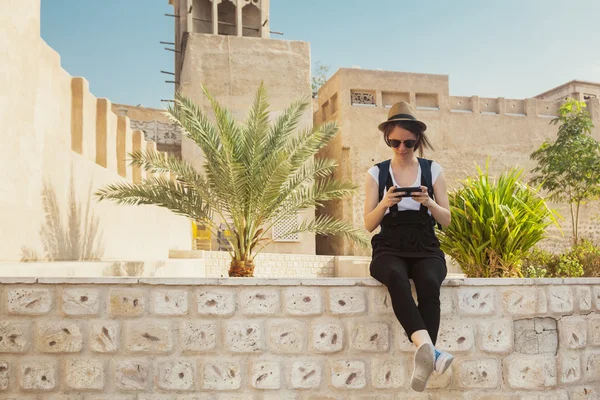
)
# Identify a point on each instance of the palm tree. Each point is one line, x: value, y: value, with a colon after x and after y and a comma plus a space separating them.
x: 254, y: 174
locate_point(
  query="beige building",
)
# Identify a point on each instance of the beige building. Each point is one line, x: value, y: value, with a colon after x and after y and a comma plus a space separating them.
x: 579, y: 90
x: 225, y: 46
x: 464, y: 131
x: 60, y: 144
x: 155, y: 124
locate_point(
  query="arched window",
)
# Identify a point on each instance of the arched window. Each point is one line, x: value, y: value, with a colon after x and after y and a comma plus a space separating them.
x: 202, y: 13
x: 227, y: 14
x: 251, y: 19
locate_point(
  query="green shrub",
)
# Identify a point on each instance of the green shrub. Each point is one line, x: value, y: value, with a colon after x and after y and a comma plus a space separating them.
x: 494, y: 223
x: 582, y: 259
x: 589, y: 256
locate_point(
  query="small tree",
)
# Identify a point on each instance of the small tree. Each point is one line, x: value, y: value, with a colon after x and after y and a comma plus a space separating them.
x: 256, y: 173
x: 319, y: 78
x: 569, y: 168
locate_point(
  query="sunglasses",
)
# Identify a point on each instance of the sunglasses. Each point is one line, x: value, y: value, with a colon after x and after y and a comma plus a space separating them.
x: 409, y: 144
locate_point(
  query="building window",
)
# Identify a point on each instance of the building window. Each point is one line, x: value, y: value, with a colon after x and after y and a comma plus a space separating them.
x: 284, y: 226
x: 362, y: 98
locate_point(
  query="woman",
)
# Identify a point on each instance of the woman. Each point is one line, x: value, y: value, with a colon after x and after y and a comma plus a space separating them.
x: 407, y: 248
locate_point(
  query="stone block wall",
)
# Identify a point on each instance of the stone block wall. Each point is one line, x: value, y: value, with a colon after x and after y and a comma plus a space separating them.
x: 255, y: 339
x: 272, y: 265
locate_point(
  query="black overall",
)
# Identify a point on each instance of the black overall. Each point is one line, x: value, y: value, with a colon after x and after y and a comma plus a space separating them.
x: 407, y: 248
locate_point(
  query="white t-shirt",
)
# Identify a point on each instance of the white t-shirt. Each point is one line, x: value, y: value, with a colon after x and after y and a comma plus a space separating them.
x: 407, y: 203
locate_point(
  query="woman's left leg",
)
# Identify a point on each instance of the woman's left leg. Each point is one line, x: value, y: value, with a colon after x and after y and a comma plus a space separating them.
x: 428, y: 275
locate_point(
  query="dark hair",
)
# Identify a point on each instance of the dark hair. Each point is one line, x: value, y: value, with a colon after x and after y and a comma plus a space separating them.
x: 422, y: 140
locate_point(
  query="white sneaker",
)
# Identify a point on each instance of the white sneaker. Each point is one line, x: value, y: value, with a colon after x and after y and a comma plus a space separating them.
x: 423, y: 367
x: 442, y: 361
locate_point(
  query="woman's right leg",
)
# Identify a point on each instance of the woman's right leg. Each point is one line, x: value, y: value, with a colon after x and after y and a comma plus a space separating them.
x: 393, y: 272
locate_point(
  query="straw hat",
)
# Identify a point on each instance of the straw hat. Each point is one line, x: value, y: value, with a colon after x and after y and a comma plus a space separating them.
x: 402, y: 111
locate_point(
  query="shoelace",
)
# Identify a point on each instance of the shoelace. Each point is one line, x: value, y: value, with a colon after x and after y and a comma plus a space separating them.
x: 437, y: 353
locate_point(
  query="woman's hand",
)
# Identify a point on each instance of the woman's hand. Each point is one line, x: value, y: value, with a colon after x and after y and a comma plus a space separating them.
x: 423, y: 197
x: 391, y: 198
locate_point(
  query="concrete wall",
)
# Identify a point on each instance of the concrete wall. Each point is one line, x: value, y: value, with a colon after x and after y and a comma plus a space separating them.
x: 232, y: 68
x: 58, y: 136
x: 463, y: 131
x: 227, y: 339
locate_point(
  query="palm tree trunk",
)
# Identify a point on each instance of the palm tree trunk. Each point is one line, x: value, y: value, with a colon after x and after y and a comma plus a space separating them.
x: 241, y: 268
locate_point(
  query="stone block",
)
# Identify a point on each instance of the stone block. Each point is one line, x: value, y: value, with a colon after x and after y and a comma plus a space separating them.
x: 149, y: 336
x: 476, y: 301
x: 286, y: 336
x: 126, y: 302
x: 327, y: 337
x: 105, y: 336
x: 170, y: 302
x: 585, y: 392
x: 198, y: 336
x: 553, y: 395
x: 411, y: 395
x: 306, y: 374
x: 347, y: 301
x: 591, y: 365
x: 480, y: 373
x: 437, y: 381
x: 238, y: 396
x: 530, y: 372
x: 161, y: 396
x: 594, y: 329
x: 522, y: 301
x: 495, y: 335
x: 280, y: 395
x: 85, y: 374
x: 59, y: 337
x: 15, y: 337
x: 176, y: 375
x: 198, y: 396
x: 583, y: 299
x: 596, y: 297
x: 216, y: 302
x: 569, y: 367
x: 38, y: 375
x: 536, y: 336
x: 244, y: 336
x: 381, y: 303
x: 573, y: 332
x: 446, y: 301
x: 259, y: 301
x: 222, y: 375
x: 110, y: 396
x: 4, y: 375
x: 387, y: 374
x: 348, y: 374
x: 401, y: 339
x: 266, y: 375
x: 132, y: 374
x: 80, y: 301
x: 25, y: 301
x: 370, y: 336
x: 455, y: 336
x: 560, y: 300
x: 303, y: 301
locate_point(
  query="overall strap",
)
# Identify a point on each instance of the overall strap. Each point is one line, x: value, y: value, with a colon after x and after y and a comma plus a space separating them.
x: 427, y: 179
x: 384, y: 174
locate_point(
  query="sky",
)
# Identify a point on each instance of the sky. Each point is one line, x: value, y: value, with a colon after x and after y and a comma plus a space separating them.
x: 491, y: 48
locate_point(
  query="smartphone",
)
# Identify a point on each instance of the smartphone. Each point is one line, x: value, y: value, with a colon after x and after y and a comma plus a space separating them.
x: 408, y: 190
